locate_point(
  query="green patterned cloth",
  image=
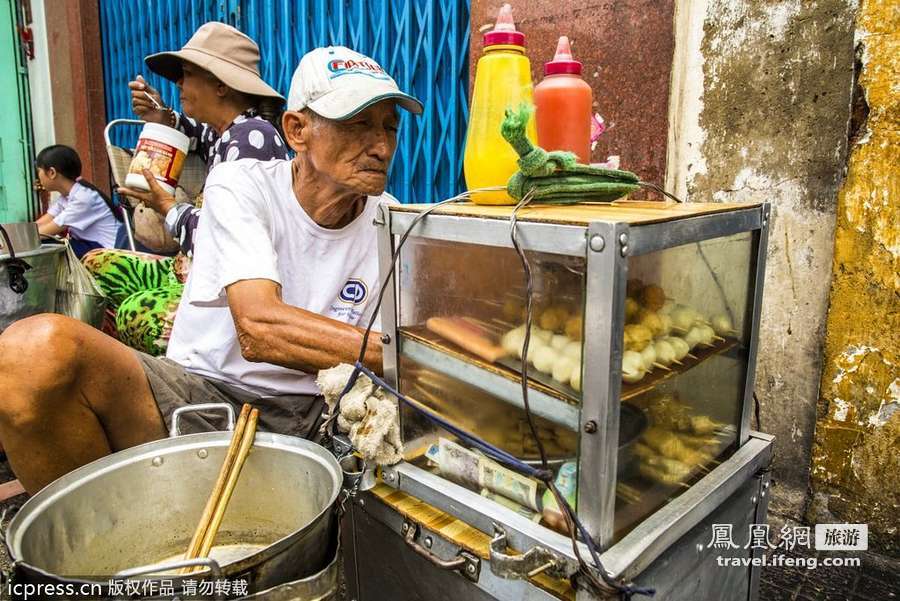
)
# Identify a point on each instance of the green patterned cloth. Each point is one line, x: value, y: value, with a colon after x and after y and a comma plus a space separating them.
x: 144, y: 319
x: 121, y: 273
x: 144, y: 290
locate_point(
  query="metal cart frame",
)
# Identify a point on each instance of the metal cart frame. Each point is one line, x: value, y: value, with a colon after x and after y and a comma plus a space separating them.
x: 606, y: 246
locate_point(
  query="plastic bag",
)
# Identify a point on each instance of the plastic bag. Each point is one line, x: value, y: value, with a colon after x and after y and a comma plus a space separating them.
x: 77, y: 294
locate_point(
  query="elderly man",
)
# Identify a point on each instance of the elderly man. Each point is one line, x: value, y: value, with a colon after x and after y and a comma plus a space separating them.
x: 285, y: 274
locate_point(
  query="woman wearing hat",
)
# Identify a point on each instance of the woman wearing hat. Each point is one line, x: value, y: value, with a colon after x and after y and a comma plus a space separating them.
x: 224, y: 100
x: 229, y: 114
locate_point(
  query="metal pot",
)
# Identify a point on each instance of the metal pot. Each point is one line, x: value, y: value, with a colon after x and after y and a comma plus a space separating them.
x: 140, y: 506
x: 40, y: 296
x: 23, y: 236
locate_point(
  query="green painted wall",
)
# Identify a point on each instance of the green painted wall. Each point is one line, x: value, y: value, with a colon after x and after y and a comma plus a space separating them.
x: 17, y: 200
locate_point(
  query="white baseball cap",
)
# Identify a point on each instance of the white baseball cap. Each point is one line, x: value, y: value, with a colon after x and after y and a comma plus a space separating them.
x: 337, y: 83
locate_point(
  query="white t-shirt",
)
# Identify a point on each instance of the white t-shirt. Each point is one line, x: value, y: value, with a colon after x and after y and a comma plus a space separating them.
x: 253, y: 227
x: 86, y: 215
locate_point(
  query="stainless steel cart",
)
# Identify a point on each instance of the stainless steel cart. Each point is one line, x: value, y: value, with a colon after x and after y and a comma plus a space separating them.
x: 658, y: 450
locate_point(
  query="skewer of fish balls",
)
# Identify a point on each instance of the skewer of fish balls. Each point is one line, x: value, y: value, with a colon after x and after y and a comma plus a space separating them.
x: 633, y: 369
x: 649, y: 357
x: 722, y: 325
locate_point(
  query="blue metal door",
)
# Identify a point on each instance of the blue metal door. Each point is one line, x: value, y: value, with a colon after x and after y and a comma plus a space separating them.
x: 422, y: 43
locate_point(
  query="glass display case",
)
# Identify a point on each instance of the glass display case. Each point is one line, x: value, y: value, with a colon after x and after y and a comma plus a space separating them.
x: 641, y: 358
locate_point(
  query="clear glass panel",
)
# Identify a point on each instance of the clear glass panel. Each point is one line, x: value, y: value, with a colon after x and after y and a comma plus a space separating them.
x: 461, y: 325
x: 468, y: 301
x: 684, y: 366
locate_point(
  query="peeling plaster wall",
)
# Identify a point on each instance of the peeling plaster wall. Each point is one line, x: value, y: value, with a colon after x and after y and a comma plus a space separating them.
x: 769, y: 123
x: 856, y: 460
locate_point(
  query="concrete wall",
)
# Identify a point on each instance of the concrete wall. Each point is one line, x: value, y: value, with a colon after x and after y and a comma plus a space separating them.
x: 856, y: 470
x: 762, y: 97
x: 39, y: 81
x: 73, y: 39
x: 626, y: 48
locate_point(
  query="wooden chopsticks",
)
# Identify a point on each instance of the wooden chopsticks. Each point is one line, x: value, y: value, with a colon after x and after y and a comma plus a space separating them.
x: 241, y: 441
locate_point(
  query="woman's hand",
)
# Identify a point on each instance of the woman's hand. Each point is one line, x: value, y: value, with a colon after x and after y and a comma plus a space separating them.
x: 144, y: 107
x: 47, y: 227
x: 157, y: 199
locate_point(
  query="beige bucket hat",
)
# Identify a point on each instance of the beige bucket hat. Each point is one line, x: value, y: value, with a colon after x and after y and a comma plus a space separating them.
x: 223, y: 51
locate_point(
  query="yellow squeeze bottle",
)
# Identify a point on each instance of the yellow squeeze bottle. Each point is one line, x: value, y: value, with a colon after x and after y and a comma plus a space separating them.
x: 502, y: 80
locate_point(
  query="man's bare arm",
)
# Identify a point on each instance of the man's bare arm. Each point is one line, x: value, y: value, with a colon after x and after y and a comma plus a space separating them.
x: 271, y: 331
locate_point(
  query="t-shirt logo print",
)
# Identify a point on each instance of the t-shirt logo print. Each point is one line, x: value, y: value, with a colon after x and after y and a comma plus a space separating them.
x: 354, y: 291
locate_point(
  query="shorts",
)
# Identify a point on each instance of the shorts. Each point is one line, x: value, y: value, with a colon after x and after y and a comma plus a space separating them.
x: 174, y: 387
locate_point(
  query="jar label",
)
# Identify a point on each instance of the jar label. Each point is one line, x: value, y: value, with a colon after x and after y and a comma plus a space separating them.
x: 163, y: 160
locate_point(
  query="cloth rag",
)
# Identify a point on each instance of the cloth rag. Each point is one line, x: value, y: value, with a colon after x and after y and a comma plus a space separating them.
x: 366, y: 414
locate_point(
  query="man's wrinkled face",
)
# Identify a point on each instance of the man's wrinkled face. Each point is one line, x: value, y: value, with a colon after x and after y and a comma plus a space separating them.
x: 355, y: 153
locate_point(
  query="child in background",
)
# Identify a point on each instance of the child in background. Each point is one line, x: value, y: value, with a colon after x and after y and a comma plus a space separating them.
x: 88, y: 213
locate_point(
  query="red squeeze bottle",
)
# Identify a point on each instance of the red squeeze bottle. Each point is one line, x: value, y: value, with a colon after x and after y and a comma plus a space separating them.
x: 564, y: 105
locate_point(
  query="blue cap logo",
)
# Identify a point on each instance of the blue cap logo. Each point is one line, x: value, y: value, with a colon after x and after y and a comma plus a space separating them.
x: 354, y: 291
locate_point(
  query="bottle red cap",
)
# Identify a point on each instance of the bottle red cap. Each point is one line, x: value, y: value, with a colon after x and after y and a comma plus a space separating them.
x: 504, y: 31
x: 563, y: 61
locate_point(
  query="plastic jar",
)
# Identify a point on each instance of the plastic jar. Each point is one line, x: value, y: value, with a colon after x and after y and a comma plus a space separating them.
x: 162, y: 150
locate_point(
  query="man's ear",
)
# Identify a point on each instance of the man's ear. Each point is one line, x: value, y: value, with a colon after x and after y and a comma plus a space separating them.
x: 296, y: 127
x: 222, y: 90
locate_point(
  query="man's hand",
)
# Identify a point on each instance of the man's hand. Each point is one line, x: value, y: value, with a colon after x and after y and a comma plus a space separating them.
x: 144, y: 107
x: 157, y: 199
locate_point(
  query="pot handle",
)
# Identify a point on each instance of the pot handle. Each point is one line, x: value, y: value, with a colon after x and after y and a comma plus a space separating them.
x: 228, y: 409
x: 207, y: 562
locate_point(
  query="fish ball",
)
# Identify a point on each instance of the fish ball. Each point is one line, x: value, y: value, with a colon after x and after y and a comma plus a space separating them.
x: 540, y: 334
x: 653, y: 297
x: 648, y: 357
x: 533, y: 345
x: 665, y: 353
x: 694, y: 337
x: 575, y: 381
x: 708, y: 335
x: 683, y: 318
x: 680, y: 347
x: 558, y: 342
x: 544, y: 358
x: 722, y: 325
x: 632, y: 366
x: 637, y: 337
x: 632, y: 308
x: 554, y: 318
x: 698, y: 317
x: 563, y: 369
x: 513, y: 309
x: 665, y: 322
x: 549, y: 320
x: 573, y: 350
x: 574, y: 326
x: 512, y: 341
x: 652, y: 321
